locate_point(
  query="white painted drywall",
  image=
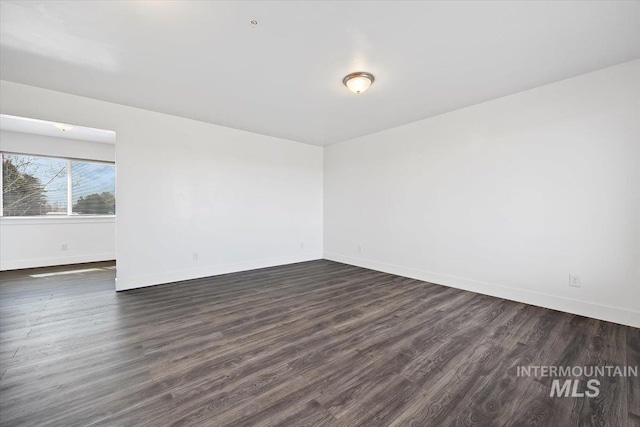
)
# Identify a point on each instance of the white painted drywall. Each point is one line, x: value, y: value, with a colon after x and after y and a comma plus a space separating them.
x: 240, y: 200
x: 38, y: 241
x: 18, y: 142
x: 505, y: 198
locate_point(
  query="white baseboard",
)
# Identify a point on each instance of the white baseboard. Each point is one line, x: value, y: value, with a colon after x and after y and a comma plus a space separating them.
x: 126, y: 283
x: 48, y: 262
x: 569, y: 305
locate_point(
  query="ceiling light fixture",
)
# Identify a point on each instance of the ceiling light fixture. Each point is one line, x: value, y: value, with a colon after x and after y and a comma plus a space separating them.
x: 358, y: 82
x: 63, y: 127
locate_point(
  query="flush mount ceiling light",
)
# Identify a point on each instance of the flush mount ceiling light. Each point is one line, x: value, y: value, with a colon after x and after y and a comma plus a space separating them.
x: 358, y: 82
x: 63, y: 127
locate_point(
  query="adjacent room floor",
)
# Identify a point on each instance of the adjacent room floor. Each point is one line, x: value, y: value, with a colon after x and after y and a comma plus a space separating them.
x: 316, y: 343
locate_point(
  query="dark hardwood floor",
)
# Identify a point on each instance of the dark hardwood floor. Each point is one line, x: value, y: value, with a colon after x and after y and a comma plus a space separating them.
x: 316, y: 343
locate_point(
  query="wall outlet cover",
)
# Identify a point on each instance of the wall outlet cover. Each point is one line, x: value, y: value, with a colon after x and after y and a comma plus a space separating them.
x: 574, y: 281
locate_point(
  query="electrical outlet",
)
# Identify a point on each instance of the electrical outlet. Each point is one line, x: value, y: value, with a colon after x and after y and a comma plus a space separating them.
x: 196, y: 256
x: 64, y: 247
x: 574, y: 281
x: 302, y: 246
x: 360, y: 249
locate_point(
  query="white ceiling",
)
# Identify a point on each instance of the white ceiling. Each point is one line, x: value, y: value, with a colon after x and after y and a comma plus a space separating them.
x: 46, y: 128
x: 204, y: 60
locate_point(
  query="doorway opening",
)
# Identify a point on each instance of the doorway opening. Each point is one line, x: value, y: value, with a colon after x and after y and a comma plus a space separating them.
x: 58, y: 199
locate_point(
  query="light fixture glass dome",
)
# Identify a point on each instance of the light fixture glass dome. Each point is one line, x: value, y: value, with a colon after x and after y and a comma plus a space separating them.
x: 63, y: 127
x: 358, y: 82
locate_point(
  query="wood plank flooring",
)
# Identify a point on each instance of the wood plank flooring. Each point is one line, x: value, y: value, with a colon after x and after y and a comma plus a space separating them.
x: 315, y: 343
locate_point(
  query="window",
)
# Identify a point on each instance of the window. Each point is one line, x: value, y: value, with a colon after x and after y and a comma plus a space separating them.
x: 93, y: 189
x: 34, y: 186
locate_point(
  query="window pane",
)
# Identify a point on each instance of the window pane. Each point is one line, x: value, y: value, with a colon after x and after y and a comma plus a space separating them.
x: 94, y: 188
x: 33, y: 185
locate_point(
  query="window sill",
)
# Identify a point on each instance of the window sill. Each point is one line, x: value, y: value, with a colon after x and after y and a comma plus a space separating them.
x: 62, y: 219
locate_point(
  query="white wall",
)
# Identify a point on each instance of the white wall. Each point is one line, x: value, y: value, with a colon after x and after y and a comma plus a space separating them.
x: 18, y: 142
x: 505, y: 198
x: 240, y: 200
x: 38, y: 242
